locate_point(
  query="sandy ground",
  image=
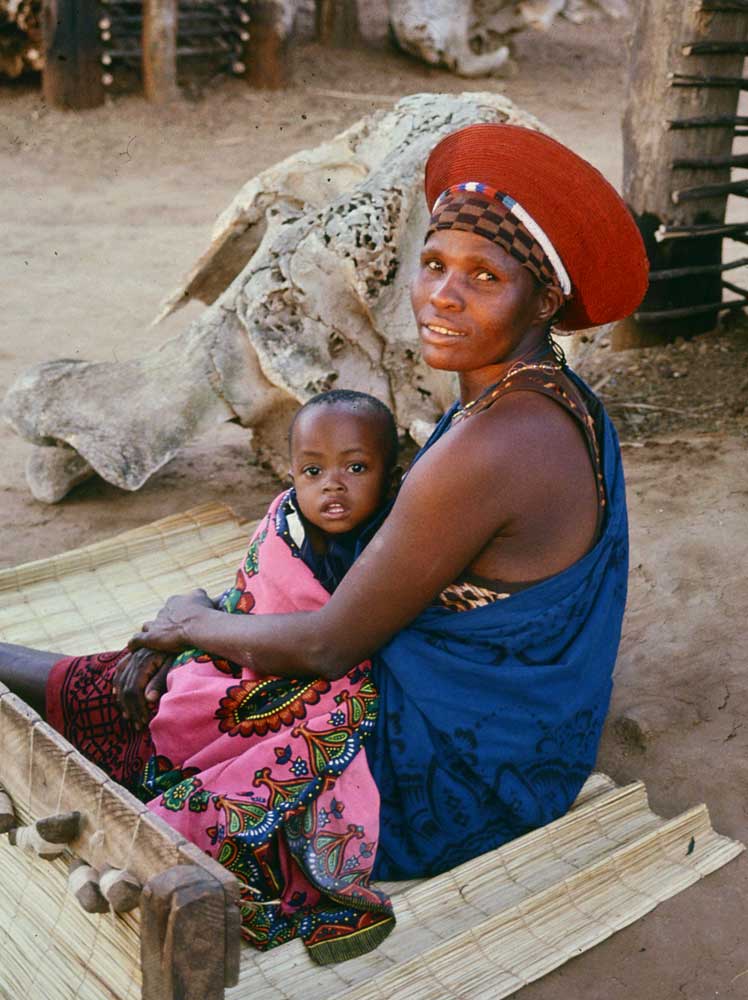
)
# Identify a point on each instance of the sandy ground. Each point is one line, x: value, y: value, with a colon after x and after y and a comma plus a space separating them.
x: 104, y: 211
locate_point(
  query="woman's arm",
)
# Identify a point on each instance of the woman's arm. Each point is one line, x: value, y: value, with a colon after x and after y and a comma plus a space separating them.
x: 470, y: 486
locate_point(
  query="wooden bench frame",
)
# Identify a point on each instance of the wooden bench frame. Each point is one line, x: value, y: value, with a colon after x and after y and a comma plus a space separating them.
x: 189, y: 917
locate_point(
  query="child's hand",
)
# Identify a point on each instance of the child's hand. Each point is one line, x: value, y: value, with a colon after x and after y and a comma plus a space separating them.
x: 157, y: 684
x: 139, y: 681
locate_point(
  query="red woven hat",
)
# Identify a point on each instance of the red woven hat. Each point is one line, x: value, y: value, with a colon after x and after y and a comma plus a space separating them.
x: 580, y: 212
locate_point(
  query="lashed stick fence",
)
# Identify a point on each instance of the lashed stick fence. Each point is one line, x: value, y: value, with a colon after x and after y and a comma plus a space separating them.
x: 677, y: 180
x: 93, y: 46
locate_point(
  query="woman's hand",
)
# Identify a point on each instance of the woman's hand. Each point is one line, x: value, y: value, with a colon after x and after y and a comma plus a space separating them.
x: 139, y: 682
x: 169, y: 631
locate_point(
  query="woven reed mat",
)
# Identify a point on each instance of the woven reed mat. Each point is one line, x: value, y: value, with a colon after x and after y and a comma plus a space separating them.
x: 92, y: 599
x: 50, y: 949
x: 478, y: 932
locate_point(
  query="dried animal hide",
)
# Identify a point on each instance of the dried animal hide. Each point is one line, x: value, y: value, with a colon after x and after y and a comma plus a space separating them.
x: 307, y: 279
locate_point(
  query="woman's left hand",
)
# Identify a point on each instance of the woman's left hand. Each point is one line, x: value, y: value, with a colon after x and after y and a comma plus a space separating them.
x: 168, y: 632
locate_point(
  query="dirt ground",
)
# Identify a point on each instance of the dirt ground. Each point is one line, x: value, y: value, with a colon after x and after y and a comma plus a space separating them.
x: 104, y: 211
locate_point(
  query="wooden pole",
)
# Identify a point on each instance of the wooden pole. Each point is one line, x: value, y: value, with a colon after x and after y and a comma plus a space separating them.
x: 267, y: 49
x: 189, y: 936
x: 337, y: 23
x: 72, y: 68
x: 160, y: 50
x: 659, y: 161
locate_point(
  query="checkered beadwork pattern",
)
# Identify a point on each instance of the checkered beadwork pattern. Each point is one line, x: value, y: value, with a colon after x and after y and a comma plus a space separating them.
x: 482, y: 210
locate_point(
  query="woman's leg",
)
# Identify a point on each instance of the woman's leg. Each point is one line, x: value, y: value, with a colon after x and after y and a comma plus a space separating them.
x: 25, y: 671
x: 82, y: 708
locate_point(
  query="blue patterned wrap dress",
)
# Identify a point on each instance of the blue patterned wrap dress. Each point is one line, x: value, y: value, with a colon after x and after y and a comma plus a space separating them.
x: 490, y: 718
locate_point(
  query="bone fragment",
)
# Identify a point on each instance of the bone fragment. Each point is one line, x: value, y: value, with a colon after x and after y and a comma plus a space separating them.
x: 307, y: 280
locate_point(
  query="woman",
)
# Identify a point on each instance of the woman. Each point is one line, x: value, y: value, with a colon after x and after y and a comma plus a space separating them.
x: 492, y: 594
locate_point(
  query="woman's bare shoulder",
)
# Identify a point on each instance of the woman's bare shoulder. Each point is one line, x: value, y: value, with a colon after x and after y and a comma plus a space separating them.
x: 525, y: 433
x: 522, y: 470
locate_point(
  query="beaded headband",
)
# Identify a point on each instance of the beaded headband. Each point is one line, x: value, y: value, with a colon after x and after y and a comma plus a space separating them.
x: 478, y: 208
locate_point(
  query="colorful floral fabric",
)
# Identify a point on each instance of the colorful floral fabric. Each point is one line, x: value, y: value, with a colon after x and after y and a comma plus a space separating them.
x: 266, y: 774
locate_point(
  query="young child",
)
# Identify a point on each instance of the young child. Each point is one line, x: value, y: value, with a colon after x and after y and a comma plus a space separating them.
x: 265, y: 774
x: 268, y: 774
x: 343, y: 448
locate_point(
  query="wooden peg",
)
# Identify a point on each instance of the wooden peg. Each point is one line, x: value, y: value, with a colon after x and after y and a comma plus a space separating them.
x: 121, y: 889
x: 47, y: 837
x: 83, y: 882
x: 7, y: 813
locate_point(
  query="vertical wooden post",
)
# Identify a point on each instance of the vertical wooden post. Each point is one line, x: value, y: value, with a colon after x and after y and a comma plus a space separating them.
x: 267, y: 49
x: 72, y: 61
x: 661, y: 58
x: 336, y: 23
x: 160, y: 50
x: 189, y: 936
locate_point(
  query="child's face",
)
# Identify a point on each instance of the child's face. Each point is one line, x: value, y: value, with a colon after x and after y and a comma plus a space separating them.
x: 339, y: 467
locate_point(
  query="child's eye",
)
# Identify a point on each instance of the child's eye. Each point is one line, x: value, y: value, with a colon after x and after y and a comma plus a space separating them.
x: 311, y: 471
x: 485, y: 276
x: 433, y: 265
x: 357, y: 467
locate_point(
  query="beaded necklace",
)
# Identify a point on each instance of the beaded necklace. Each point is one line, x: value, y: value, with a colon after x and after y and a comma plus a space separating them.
x: 488, y: 394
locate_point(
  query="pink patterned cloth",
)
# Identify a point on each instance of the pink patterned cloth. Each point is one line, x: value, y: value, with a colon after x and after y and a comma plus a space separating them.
x: 183, y: 730
x: 266, y: 774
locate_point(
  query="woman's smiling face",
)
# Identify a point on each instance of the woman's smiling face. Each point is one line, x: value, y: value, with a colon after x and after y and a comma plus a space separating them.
x: 476, y: 306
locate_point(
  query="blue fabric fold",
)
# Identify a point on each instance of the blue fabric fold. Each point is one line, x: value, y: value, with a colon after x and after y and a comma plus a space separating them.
x: 490, y: 719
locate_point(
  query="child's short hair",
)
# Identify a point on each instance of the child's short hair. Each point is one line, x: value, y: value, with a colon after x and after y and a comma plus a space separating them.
x: 361, y: 401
